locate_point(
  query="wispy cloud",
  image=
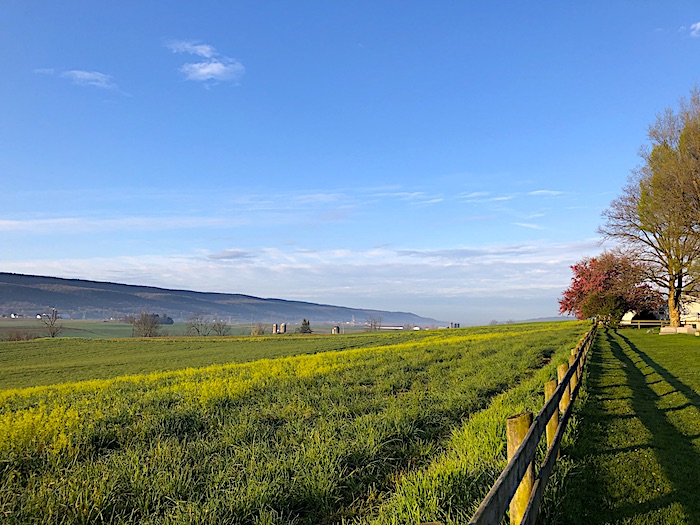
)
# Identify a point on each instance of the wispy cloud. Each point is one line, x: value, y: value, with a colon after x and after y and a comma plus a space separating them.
x: 546, y: 193
x: 413, y: 197
x: 228, y: 255
x: 193, y: 48
x: 475, y: 194
x: 214, y: 67
x: 39, y: 225
x: 317, y: 198
x: 52, y: 226
x: 464, y: 254
x: 528, y: 225
x: 484, y: 197
x: 90, y: 78
x: 80, y: 77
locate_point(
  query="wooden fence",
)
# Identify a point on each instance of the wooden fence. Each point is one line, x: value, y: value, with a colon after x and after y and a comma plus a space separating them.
x: 647, y: 323
x: 653, y: 323
x: 518, y: 479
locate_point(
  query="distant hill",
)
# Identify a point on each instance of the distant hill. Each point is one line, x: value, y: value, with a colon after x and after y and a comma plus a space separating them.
x: 29, y: 295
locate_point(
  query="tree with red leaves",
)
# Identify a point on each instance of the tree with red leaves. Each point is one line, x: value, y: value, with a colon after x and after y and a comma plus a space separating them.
x: 607, y: 286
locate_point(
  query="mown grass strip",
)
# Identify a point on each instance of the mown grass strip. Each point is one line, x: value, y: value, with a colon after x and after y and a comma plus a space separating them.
x: 637, y: 456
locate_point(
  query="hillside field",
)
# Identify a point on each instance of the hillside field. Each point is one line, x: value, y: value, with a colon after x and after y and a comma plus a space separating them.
x: 366, y: 428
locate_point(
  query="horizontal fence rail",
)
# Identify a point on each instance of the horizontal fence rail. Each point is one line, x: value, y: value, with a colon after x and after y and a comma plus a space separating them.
x: 525, y: 506
x: 647, y: 323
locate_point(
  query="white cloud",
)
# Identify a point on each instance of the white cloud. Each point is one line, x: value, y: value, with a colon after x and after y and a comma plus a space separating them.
x: 193, y: 48
x: 695, y: 30
x: 216, y: 67
x: 90, y: 78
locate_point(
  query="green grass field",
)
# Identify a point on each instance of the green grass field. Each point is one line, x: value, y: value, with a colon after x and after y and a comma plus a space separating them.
x: 89, y: 329
x: 637, y: 457
x: 372, y: 428
x: 59, y: 360
x: 71, y: 328
x: 48, y: 361
x: 27, y: 328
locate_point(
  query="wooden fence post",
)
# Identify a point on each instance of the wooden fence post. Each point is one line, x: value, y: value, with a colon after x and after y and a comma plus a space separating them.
x: 553, y: 423
x: 566, y: 396
x: 517, y: 428
x: 574, y: 377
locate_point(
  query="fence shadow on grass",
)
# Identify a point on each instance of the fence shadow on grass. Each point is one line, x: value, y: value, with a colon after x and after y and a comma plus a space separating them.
x: 601, y: 459
x: 674, y: 451
x: 691, y: 395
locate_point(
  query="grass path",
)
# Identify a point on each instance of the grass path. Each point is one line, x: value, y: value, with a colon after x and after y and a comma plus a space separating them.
x: 637, y: 458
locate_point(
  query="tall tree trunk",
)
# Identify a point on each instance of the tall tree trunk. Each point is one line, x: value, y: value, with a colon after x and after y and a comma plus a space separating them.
x: 675, y: 288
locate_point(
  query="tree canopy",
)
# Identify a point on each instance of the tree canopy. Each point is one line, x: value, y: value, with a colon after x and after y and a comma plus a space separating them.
x: 607, y: 286
x: 305, y: 327
x: 658, y: 214
x: 145, y: 325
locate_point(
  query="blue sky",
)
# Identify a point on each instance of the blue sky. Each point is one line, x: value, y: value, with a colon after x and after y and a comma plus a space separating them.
x: 446, y: 158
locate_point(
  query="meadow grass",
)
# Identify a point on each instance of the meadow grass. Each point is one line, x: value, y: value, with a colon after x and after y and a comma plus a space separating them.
x: 637, y: 455
x: 90, y: 329
x: 48, y: 361
x: 30, y: 328
x: 66, y: 359
x: 93, y: 329
x: 410, y: 430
